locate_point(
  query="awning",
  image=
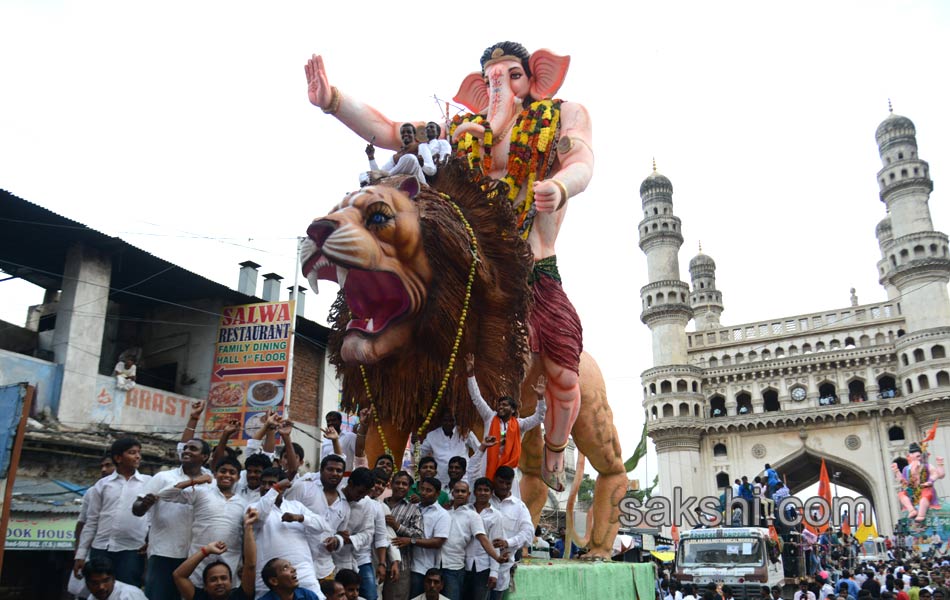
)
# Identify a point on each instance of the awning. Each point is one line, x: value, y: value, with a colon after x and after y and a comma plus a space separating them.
x: 663, y: 556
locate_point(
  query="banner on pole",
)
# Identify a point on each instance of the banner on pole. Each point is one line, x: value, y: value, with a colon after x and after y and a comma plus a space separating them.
x: 251, y: 362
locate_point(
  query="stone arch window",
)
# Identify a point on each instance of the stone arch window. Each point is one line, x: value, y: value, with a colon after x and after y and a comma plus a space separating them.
x: 827, y: 394
x: 656, y: 211
x: 684, y: 409
x: 695, y: 387
x: 666, y: 387
x: 864, y: 341
x: 895, y: 434
x: 904, y: 360
x: 753, y: 356
x: 900, y: 156
x: 696, y: 410
x: 702, y: 285
x: 655, y: 226
x: 903, y: 172
x: 666, y: 225
x: 893, y: 260
x: 856, y: 392
x: 938, y: 352
x: 682, y: 386
x: 726, y: 360
x: 904, y: 254
x: 820, y: 347
x: 779, y: 352
x: 793, y: 350
x: 683, y: 297
x: 918, y: 251
x: 943, y: 379
x: 834, y: 345
x: 806, y: 348
x: 713, y: 362
x: 743, y: 403
x: 909, y: 386
x: 649, y: 301
x: 653, y: 389
x: 770, y: 400
x: 919, y: 355
x: 849, y: 342
x: 887, y: 386
x: 717, y: 406
x: 934, y: 249
x: 720, y: 450
x: 891, y: 175
x: 653, y: 412
x: 900, y: 333
x: 667, y: 410
x: 659, y: 298
x: 923, y: 382
x: 766, y: 355
x: 722, y: 480
x: 879, y: 338
x: 740, y: 358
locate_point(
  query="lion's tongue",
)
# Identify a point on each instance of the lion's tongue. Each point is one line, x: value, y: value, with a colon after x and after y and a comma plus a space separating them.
x: 374, y: 298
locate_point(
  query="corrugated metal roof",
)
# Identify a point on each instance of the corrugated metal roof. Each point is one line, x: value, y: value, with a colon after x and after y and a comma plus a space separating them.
x: 43, y: 495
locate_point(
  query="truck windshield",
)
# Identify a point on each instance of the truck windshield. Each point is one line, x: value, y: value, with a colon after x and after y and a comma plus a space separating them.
x: 721, y: 552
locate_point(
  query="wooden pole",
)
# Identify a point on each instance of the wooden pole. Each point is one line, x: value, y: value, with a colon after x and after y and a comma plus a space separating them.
x: 14, y: 464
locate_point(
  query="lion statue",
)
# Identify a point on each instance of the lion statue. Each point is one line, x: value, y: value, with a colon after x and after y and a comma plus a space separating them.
x: 428, y: 274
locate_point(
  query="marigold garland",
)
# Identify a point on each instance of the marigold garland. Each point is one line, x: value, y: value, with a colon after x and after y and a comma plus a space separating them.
x: 530, y: 155
x: 463, y: 316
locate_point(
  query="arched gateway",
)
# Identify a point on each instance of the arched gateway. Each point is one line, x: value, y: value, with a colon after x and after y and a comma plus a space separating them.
x: 853, y: 385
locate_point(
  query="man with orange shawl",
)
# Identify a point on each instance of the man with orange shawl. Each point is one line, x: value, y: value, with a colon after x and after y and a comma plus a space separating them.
x: 500, y: 425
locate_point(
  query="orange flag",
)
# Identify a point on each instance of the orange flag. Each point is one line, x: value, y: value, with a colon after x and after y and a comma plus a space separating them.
x: 846, y: 525
x: 675, y: 534
x: 931, y: 434
x: 824, y: 491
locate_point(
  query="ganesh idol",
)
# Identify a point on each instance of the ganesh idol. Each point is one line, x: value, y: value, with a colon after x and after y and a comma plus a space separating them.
x: 917, y: 479
x: 517, y: 132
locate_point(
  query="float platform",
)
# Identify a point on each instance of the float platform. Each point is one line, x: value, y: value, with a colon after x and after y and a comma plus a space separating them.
x: 578, y: 580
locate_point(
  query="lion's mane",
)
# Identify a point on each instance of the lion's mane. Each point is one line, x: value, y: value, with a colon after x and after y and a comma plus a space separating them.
x: 405, y: 385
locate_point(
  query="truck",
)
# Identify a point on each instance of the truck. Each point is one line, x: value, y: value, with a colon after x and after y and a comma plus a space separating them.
x: 744, y: 558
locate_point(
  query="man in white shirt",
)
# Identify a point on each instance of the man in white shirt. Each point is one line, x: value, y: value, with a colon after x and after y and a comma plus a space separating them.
x: 466, y: 526
x: 284, y: 529
x: 318, y: 492
x: 481, y: 570
x: 389, y: 573
x: 111, y: 531
x: 498, y: 424
x: 218, y: 512
x: 516, y: 523
x: 125, y: 374
x: 432, y: 586
x: 170, y: 535
x: 447, y: 442
x: 436, y: 524
x: 438, y: 147
x: 412, y: 159
x: 364, y: 534
x: 347, y: 441
x: 99, y: 575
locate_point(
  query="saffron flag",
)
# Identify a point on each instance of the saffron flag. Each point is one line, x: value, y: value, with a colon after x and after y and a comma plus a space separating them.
x: 931, y: 434
x: 820, y: 524
x: 675, y: 535
x: 846, y: 525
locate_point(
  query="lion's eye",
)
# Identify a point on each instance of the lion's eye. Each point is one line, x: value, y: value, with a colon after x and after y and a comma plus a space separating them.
x: 379, y: 215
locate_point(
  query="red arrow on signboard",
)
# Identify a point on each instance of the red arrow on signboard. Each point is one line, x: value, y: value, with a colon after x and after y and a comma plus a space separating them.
x: 222, y: 372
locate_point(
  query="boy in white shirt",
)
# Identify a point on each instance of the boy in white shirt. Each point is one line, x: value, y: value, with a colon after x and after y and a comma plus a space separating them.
x: 111, y: 531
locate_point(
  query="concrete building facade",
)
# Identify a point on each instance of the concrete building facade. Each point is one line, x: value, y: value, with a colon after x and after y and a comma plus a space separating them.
x: 853, y: 386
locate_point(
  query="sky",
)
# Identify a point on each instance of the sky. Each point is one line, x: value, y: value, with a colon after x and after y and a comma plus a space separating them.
x: 185, y: 129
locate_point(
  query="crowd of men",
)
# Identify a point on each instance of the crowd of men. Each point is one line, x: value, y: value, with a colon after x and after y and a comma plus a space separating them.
x: 264, y: 529
x: 895, y: 579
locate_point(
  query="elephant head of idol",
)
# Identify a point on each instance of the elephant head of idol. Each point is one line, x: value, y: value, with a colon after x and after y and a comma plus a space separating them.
x: 510, y: 79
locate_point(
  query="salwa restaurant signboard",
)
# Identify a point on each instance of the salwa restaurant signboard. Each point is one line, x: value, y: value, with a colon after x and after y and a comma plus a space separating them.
x: 251, y: 362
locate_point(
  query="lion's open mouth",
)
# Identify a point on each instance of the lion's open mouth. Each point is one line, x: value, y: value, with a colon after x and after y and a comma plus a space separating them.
x: 375, y: 298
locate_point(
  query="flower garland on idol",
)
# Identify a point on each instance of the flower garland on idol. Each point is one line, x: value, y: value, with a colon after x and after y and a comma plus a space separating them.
x: 530, y: 155
x: 463, y: 316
